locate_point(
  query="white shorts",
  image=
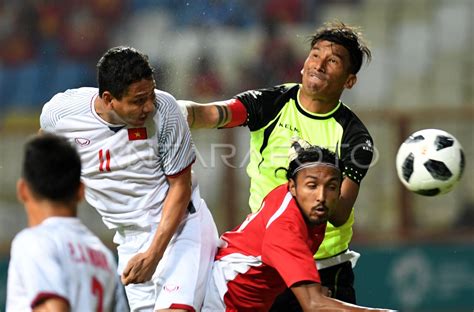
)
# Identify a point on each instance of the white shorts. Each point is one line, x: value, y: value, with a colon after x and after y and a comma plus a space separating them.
x: 181, y: 276
x: 224, y: 271
x: 216, y: 288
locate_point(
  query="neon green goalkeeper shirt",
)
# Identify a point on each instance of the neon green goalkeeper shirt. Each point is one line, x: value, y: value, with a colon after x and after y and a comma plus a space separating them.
x: 274, y: 116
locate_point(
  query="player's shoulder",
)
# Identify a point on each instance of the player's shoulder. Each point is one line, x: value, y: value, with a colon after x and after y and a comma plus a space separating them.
x: 165, y: 103
x: 283, y: 88
x: 289, y: 86
x: 22, y: 236
x: 349, y: 119
x: 282, y: 210
x: 72, y: 102
x: 167, y: 111
x: 277, y: 198
x: 275, y: 91
x: 286, y: 91
x: 345, y: 112
x: 164, y: 97
x: 31, y: 239
x: 279, y: 191
x: 72, y: 94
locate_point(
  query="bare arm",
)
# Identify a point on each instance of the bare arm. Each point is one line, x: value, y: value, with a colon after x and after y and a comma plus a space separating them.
x: 52, y: 305
x: 311, y: 298
x: 207, y: 115
x: 349, y: 192
x: 142, y: 266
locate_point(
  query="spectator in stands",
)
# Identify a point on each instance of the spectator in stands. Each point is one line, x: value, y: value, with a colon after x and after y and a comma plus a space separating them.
x: 18, y: 39
x: 282, y: 11
x: 276, y: 49
x: 206, y: 83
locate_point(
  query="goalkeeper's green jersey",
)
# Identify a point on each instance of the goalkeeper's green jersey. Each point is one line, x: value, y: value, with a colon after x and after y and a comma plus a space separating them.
x: 274, y: 116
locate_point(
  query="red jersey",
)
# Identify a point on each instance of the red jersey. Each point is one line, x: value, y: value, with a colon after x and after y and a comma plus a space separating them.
x: 271, y: 250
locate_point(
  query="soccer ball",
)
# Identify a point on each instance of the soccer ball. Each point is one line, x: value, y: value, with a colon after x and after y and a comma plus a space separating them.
x: 430, y: 162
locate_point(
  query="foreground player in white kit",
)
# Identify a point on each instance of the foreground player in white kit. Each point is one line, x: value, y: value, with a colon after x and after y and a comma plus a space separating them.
x: 137, y: 152
x: 57, y: 264
x: 273, y: 248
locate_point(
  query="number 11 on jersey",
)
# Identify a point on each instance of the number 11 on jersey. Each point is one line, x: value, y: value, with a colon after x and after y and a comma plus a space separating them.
x: 104, y: 160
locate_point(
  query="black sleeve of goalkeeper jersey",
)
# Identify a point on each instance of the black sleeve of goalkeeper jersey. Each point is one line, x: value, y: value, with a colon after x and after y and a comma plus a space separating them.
x: 357, y: 149
x: 263, y: 105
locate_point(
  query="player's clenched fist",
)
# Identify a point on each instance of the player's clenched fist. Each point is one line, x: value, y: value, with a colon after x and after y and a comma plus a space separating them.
x: 140, y: 268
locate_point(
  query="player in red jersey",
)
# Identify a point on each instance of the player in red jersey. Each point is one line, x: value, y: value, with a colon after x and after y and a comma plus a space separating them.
x: 274, y: 247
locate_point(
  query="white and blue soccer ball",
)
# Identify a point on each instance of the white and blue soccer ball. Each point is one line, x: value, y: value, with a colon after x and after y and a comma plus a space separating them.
x: 430, y: 162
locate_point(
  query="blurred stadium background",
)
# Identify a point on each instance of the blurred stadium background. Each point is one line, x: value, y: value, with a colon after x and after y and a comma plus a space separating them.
x: 417, y: 252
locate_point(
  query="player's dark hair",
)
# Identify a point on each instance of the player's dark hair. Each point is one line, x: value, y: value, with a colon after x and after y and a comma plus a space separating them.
x: 313, y: 153
x: 52, y: 168
x: 349, y: 37
x: 119, y: 67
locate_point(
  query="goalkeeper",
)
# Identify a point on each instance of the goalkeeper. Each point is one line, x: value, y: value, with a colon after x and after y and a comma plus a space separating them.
x: 313, y: 111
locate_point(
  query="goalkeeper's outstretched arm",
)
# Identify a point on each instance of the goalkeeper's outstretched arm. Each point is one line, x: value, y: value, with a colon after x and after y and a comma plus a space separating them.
x: 220, y: 114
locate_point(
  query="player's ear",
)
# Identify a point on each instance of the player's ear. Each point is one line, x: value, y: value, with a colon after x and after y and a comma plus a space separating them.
x: 22, y: 191
x: 350, y: 81
x: 292, y: 187
x: 107, y: 97
x: 80, y: 192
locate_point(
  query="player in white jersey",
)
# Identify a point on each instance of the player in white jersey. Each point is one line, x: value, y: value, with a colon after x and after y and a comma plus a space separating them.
x: 137, y: 152
x: 57, y: 264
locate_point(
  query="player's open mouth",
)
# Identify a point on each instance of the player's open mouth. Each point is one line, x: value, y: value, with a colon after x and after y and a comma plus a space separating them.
x: 316, y: 75
x: 320, y: 211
